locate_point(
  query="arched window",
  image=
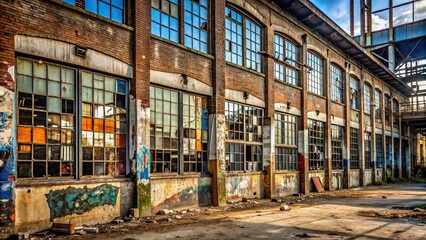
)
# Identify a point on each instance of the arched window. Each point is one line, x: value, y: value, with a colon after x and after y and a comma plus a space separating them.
x: 367, y: 99
x: 287, y: 55
x: 337, y: 85
x: 315, y: 74
x: 243, y: 40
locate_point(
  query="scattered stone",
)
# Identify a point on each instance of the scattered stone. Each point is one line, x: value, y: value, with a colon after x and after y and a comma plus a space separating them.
x: 183, y: 212
x: 164, y: 212
x: 178, y: 217
x: 274, y: 200
x: 134, y: 212
x: 128, y: 218
x: 419, y: 210
x: 310, y: 196
x: 80, y: 232
x: 244, y: 199
x: 284, y: 207
x: 298, y: 200
x: 384, y: 197
x: 150, y: 221
x: 118, y: 220
x: 297, y: 194
x: 255, y: 202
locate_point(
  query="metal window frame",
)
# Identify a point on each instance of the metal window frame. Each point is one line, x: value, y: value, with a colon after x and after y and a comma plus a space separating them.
x: 367, y: 99
x: 244, y: 142
x: 285, y: 152
x: 337, y: 84
x: 283, y: 60
x: 354, y: 148
x: 315, y: 76
x: 316, y: 140
x: 180, y: 151
x: 368, y: 161
x: 337, y: 136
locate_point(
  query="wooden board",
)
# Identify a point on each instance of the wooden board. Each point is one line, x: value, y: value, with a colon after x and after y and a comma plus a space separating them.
x: 318, y: 184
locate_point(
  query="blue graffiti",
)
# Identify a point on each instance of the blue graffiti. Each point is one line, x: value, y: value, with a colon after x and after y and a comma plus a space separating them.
x: 143, y: 162
x: 4, y: 118
x: 80, y: 200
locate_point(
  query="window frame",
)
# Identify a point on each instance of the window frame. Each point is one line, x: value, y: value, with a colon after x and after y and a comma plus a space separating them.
x: 354, y: 148
x: 315, y: 84
x: 283, y: 62
x: 354, y: 94
x: 228, y: 43
x: 367, y: 99
x: 337, y: 89
x: 388, y: 109
x: 243, y: 142
x: 77, y: 159
x: 368, y: 161
x: 284, y: 149
x: 379, y: 106
x: 111, y: 6
x: 180, y: 138
x: 337, y: 145
x: 318, y: 142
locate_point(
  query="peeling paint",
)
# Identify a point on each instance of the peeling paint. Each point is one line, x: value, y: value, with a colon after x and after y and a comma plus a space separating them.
x: 286, y: 184
x: 243, y: 186
x: 80, y: 200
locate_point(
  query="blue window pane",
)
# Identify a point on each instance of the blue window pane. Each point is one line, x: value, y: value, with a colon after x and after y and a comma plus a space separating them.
x: 188, y: 5
x: 155, y: 15
x: 188, y: 41
x: 188, y: 18
x: 104, y: 10
x: 117, y: 15
x: 174, y: 36
x: 164, y: 19
x: 118, y: 3
x: 203, y: 2
x: 91, y: 6
x: 174, y: 24
x: 204, y: 48
x: 72, y: 2
x: 188, y: 30
x: 165, y: 32
x: 155, y: 29
x: 121, y: 86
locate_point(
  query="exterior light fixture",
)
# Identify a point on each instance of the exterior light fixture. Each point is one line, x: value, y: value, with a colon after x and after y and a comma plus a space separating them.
x: 80, y: 51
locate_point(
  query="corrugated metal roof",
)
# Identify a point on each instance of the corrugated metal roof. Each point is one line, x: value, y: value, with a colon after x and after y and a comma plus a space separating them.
x: 315, y: 19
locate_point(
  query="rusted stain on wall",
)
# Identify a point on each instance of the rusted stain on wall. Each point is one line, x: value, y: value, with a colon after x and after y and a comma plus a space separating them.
x: 80, y: 200
x: 7, y: 156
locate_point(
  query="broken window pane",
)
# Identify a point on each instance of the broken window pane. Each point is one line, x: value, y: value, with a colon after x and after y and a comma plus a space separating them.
x: 54, y: 169
x: 87, y: 168
x: 24, y: 170
x: 39, y: 119
x: 39, y: 169
x: 25, y: 117
x: 68, y: 91
x: 39, y: 102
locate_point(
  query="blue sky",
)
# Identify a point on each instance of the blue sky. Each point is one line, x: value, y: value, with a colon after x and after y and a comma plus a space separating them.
x: 337, y: 10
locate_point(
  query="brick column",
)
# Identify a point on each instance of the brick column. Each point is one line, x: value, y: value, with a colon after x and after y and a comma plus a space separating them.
x: 8, y: 116
x: 139, y: 132
x: 373, y: 132
x: 328, y: 168
x: 361, y: 132
x: 346, y: 142
x: 303, y: 163
x: 269, y: 128
x: 217, y: 116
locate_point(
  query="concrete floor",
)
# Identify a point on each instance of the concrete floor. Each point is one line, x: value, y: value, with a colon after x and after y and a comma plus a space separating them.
x: 334, y: 215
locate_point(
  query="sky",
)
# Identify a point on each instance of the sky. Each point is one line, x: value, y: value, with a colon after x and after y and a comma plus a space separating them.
x: 337, y: 10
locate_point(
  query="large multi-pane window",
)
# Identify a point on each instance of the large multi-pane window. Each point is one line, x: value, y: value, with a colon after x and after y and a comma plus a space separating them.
x: 285, y: 142
x: 367, y: 150
x: 286, y: 66
x: 104, y: 124
x: 354, y: 148
x: 388, y: 109
x: 243, y: 40
x: 243, y: 137
x: 164, y: 19
x: 378, y: 103
x: 112, y: 9
x: 47, y: 116
x: 337, y: 146
x: 367, y: 99
x: 395, y: 110
x: 379, y: 150
x: 195, y: 28
x: 316, y: 145
x: 354, y: 93
x: 388, y: 152
x: 336, y: 79
x: 315, y: 74
x: 178, y: 131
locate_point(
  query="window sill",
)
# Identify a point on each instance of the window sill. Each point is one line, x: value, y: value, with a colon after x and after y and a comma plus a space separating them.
x: 337, y: 170
x: 317, y: 95
x: 288, y: 84
x: 338, y: 103
x: 287, y: 171
x: 58, y: 182
x: 245, y: 69
x: 243, y: 173
x: 182, y: 46
x: 160, y: 176
x: 317, y: 171
x: 81, y: 10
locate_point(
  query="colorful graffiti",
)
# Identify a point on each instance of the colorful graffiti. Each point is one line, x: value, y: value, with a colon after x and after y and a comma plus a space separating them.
x: 80, y: 200
x: 7, y: 158
x: 237, y: 187
x: 143, y: 162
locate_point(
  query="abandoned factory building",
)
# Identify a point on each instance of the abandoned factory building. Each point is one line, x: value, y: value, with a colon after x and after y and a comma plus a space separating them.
x: 150, y: 104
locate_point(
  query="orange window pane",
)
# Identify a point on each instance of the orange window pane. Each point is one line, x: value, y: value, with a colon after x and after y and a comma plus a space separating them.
x: 39, y: 135
x: 120, y: 140
x: 109, y: 126
x: 98, y: 125
x: 24, y: 134
x: 24, y: 148
x: 87, y: 124
x: 199, y: 145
